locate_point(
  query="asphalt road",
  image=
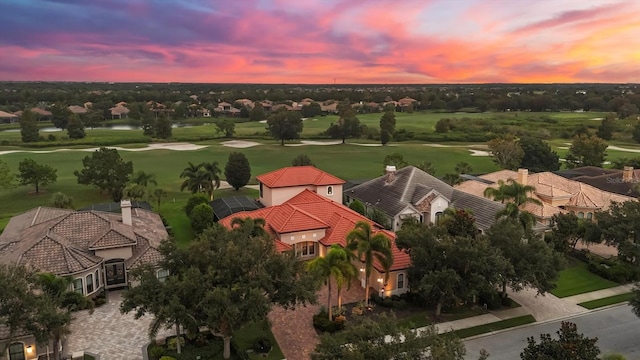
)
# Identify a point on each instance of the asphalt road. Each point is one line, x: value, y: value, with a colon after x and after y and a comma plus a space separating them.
x: 617, y: 330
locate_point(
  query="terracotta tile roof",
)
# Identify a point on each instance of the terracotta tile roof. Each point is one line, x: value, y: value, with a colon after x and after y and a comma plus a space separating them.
x: 77, y: 109
x: 41, y: 112
x: 289, y: 218
x: 298, y: 176
x: 7, y: 115
x: 281, y: 246
x: 119, y: 110
x: 339, y: 219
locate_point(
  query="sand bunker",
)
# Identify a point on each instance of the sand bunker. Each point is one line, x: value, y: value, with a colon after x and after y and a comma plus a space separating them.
x: 320, y: 143
x: 240, y: 144
x: 597, y: 119
x: 617, y: 148
x: 164, y: 146
x: 479, y: 153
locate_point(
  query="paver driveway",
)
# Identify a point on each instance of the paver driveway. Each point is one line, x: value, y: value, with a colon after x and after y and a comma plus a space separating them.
x: 110, y: 334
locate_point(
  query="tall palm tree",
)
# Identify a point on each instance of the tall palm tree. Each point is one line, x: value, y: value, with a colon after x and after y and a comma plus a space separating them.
x: 159, y: 194
x: 367, y: 247
x: 213, y: 173
x: 144, y: 179
x: 335, y: 264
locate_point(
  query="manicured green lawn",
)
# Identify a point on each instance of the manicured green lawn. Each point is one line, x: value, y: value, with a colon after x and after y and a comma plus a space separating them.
x: 615, y: 299
x: 246, y: 336
x: 577, y: 279
x: 495, y: 326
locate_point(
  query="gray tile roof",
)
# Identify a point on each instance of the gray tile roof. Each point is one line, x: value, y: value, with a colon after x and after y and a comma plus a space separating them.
x: 412, y: 184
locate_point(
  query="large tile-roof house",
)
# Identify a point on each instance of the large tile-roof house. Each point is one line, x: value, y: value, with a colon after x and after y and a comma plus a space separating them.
x: 303, y: 217
x: 411, y: 192
x: 556, y: 193
x: 95, y: 248
x: 623, y: 182
x: 8, y: 117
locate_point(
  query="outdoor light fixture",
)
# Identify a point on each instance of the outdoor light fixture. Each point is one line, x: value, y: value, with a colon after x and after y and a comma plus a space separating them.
x: 380, y: 280
x: 361, y: 269
x: 29, y: 349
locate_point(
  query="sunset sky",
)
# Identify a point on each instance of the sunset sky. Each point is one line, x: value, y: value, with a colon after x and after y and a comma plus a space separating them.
x: 321, y: 41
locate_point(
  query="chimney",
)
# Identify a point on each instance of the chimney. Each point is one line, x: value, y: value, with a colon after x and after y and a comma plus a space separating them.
x: 523, y: 175
x: 390, y: 172
x: 125, y: 206
x: 627, y: 174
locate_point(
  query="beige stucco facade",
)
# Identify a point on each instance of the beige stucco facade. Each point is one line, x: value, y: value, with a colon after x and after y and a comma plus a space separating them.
x: 300, y: 239
x: 396, y: 284
x: 115, y: 253
x: 28, y: 346
x: 276, y: 196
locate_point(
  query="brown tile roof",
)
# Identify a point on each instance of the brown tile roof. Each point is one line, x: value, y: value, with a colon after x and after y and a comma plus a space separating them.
x: 119, y: 110
x: 61, y: 241
x: 298, y: 176
x: 41, y: 112
x: 77, y: 109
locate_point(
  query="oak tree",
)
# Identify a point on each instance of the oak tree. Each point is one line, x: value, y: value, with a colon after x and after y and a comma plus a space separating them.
x: 106, y: 170
x: 32, y: 173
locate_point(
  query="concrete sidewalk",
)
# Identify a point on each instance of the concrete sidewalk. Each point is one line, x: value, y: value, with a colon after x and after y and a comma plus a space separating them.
x: 491, y: 317
x: 600, y: 294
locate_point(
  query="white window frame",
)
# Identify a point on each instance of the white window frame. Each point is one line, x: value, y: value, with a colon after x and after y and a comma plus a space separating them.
x: 96, y: 278
x: 162, y: 275
x: 330, y: 190
x: 400, y: 276
x: 24, y: 350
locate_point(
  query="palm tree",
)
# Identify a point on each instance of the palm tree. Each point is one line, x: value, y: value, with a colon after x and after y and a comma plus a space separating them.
x: 55, y: 316
x: 196, y: 180
x: 427, y: 167
x: 463, y: 167
x: 213, y: 173
x: 144, y: 179
x: 514, y: 195
x: 335, y: 264
x: 159, y: 194
x: 368, y: 246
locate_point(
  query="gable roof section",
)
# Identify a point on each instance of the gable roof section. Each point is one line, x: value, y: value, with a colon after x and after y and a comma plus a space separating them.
x: 289, y: 218
x: 412, y: 184
x: 298, y: 176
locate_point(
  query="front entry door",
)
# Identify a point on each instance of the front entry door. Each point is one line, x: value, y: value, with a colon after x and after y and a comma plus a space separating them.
x: 115, y: 274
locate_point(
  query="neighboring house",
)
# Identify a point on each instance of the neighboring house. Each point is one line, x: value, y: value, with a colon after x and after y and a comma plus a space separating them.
x: 119, y: 112
x: 95, y: 248
x: 556, y: 193
x: 623, y: 182
x: 41, y: 115
x: 411, y: 192
x: 6, y: 117
x: 245, y: 102
x: 78, y: 110
x: 278, y: 186
x: 308, y: 223
x: 405, y: 102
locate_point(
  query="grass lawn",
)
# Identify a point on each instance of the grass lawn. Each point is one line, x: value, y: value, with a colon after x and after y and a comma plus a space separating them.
x: 577, y: 279
x: 615, y: 299
x: 495, y: 326
x: 246, y: 336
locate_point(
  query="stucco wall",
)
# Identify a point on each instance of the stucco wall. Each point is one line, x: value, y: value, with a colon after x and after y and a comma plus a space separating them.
x: 83, y: 275
x: 115, y: 253
x: 27, y: 341
x: 439, y: 204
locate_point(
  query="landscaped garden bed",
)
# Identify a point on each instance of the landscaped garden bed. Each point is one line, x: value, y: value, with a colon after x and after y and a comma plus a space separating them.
x: 577, y: 279
x: 254, y: 341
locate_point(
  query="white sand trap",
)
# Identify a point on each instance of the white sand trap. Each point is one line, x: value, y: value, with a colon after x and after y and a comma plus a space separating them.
x: 597, y: 119
x: 438, y: 145
x: 164, y: 146
x: 240, y: 144
x: 617, y: 148
x: 479, y: 153
x: 320, y: 143
x: 563, y: 147
x: 262, y: 121
x: 371, y: 144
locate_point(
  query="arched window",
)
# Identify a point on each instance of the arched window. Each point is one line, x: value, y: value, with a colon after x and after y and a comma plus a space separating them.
x: 162, y: 275
x: 16, y: 351
x: 400, y: 281
x: 589, y: 215
x: 97, y: 279
x: 439, y: 216
x: 580, y: 215
x: 329, y: 190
